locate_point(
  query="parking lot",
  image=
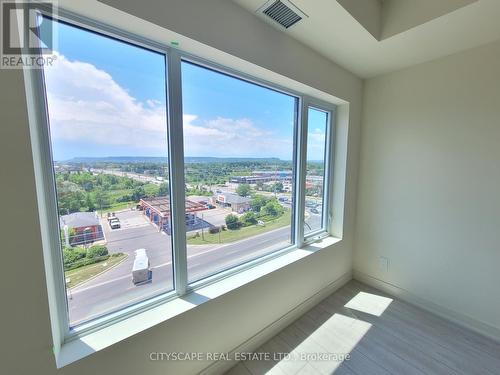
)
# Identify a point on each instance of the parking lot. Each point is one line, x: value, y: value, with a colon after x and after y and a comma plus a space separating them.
x: 136, y: 232
x: 214, y: 217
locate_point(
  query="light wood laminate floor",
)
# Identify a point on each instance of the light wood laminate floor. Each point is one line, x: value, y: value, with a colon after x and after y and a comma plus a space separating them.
x: 381, y: 334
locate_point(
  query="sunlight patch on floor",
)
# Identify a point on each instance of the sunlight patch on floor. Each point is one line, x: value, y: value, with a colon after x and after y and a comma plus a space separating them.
x: 326, y: 347
x: 369, y: 303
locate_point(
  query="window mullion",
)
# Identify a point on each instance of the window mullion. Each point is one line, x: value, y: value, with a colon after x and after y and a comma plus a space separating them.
x: 301, y: 173
x: 176, y: 164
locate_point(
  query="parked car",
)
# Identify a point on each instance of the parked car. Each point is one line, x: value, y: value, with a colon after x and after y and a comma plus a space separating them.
x: 114, y: 223
x: 141, y: 268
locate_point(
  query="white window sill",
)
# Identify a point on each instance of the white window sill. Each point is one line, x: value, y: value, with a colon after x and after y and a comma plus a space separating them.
x: 92, y: 342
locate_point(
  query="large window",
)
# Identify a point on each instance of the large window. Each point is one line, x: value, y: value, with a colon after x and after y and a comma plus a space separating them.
x: 239, y: 165
x: 166, y: 172
x: 108, y: 132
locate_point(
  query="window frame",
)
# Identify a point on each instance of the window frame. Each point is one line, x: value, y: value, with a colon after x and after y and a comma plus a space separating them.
x: 47, y: 195
x: 218, y: 68
x: 327, y: 202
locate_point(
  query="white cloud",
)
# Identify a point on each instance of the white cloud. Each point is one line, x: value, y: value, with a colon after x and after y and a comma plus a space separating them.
x: 316, y: 144
x: 86, y: 104
x: 225, y: 137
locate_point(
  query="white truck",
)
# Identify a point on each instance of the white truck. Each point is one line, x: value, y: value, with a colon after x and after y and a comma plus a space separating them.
x: 140, y: 269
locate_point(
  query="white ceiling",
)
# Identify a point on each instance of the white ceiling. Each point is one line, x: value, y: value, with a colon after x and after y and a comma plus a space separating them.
x: 417, y: 34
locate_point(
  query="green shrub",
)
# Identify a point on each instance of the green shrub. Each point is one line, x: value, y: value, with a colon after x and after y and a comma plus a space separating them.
x: 97, y: 251
x: 73, y: 256
x: 257, y: 202
x: 272, y: 208
x: 249, y: 218
x: 213, y: 230
x: 232, y: 222
x: 85, y: 262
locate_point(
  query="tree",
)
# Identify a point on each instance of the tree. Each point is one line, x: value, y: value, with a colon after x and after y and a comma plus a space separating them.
x: 164, y: 189
x: 273, y: 208
x: 101, y: 198
x: 70, y: 197
x: 243, y: 190
x: 314, y: 191
x: 249, y: 218
x: 151, y: 190
x: 89, y: 203
x: 277, y: 187
x: 138, y: 193
x: 232, y: 221
x: 257, y: 202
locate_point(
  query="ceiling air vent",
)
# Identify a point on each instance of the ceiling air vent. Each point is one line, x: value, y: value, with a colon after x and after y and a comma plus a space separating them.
x: 282, y: 12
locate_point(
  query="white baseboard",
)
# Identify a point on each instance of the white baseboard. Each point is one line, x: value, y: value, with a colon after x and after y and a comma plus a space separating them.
x: 448, y: 314
x: 275, y: 327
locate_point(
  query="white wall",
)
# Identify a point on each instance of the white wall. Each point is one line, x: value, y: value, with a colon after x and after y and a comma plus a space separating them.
x: 219, y: 325
x: 429, y: 197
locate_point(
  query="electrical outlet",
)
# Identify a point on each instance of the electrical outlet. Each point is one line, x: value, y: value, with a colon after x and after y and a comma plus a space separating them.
x: 383, y: 264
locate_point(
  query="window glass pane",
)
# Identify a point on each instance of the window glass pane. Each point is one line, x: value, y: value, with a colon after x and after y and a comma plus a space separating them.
x: 315, y: 175
x: 239, y: 152
x: 108, y: 129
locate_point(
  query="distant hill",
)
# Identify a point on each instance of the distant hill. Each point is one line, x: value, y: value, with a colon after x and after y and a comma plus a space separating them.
x: 155, y: 159
x: 207, y: 159
x: 118, y: 159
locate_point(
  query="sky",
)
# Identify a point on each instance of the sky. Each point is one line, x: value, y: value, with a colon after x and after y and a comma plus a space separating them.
x: 107, y: 98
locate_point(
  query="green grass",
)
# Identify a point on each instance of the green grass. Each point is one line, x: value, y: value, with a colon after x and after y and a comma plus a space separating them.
x: 151, y: 189
x: 118, y: 193
x: 117, y: 207
x: 228, y: 236
x: 81, y: 274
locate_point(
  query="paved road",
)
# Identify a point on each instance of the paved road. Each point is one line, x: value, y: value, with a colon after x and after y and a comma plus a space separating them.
x: 114, y: 288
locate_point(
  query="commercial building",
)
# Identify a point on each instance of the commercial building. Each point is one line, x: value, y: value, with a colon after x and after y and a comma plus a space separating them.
x: 233, y: 201
x: 157, y: 210
x: 249, y: 179
x: 80, y: 228
x: 263, y: 176
x: 274, y: 175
